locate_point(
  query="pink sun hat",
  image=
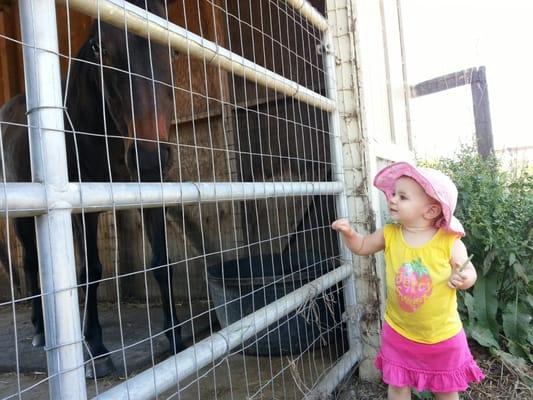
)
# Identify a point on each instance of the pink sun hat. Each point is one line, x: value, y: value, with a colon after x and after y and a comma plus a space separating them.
x: 436, y: 184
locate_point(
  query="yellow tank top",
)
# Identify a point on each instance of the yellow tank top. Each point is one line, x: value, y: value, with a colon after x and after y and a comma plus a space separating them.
x: 420, y: 305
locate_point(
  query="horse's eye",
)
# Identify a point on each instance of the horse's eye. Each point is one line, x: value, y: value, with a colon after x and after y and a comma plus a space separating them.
x: 95, y: 47
x: 99, y: 51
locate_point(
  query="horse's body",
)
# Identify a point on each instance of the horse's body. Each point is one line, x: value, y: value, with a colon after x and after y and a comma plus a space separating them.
x: 120, y: 106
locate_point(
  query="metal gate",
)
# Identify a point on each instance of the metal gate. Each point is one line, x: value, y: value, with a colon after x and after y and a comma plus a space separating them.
x: 280, y: 197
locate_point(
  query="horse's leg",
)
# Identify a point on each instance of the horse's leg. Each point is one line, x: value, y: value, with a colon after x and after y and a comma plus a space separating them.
x: 103, y: 365
x: 25, y: 228
x: 154, y: 222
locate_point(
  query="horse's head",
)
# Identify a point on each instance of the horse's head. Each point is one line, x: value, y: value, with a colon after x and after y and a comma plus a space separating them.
x: 138, y: 93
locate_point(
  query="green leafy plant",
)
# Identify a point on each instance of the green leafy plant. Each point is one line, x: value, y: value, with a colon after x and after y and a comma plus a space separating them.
x: 496, y: 209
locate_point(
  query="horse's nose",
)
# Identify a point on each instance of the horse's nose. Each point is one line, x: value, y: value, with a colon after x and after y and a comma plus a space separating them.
x: 147, y: 162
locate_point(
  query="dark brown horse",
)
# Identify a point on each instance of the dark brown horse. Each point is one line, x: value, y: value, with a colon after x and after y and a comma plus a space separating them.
x: 119, y: 100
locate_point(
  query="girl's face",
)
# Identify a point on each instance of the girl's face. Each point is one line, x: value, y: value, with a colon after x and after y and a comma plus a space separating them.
x: 410, y: 204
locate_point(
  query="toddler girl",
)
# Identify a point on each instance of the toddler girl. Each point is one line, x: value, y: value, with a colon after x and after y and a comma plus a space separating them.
x: 423, y: 345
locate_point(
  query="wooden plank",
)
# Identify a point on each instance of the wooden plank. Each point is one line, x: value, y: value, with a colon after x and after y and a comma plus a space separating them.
x: 72, y: 37
x: 8, y: 69
x: 199, y: 85
x: 445, y: 82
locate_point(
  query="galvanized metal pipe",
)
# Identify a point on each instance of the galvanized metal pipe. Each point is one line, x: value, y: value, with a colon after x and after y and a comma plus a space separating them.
x: 116, y: 12
x: 334, y: 376
x: 310, y: 13
x: 26, y: 199
x: 164, y: 375
x: 64, y: 351
x: 349, y: 286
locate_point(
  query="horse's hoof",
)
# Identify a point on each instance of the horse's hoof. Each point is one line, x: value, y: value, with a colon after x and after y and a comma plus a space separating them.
x: 99, y: 368
x: 38, y: 340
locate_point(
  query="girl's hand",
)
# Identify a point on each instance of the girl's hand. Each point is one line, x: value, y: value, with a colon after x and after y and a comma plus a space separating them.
x: 342, y: 226
x: 457, y: 278
x: 357, y: 243
x: 463, y: 274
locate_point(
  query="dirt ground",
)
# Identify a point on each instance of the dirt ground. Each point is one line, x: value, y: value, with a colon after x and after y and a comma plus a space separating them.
x: 227, y: 380
x: 238, y: 377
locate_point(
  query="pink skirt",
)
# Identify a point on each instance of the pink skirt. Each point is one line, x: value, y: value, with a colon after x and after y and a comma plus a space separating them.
x: 447, y: 366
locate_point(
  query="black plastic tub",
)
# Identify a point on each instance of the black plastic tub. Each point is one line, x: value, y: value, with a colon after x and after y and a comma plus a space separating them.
x: 252, y: 283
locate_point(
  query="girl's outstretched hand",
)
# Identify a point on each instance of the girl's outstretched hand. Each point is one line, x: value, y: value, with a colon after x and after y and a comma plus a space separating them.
x: 357, y: 243
x: 341, y: 225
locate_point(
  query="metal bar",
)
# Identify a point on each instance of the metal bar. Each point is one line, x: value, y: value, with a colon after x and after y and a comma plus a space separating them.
x: 64, y: 351
x: 164, y: 375
x: 349, y: 288
x: 334, y: 376
x: 343, y: 366
x: 310, y: 13
x: 28, y: 199
x: 116, y: 12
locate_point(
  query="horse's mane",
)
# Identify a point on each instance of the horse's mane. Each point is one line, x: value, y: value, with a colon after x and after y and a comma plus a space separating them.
x: 80, y: 66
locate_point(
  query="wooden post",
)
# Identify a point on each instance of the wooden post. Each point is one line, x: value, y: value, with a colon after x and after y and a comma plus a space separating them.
x: 480, y: 101
x: 9, y: 75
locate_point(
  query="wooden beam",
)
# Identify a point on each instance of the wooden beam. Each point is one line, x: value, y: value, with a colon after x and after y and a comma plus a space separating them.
x: 8, y: 70
x: 446, y: 82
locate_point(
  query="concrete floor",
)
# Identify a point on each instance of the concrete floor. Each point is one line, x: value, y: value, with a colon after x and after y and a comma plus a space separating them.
x: 238, y: 377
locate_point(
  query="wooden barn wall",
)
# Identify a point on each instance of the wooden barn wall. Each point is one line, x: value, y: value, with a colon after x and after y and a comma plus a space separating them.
x: 192, y: 230
x: 10, y: 54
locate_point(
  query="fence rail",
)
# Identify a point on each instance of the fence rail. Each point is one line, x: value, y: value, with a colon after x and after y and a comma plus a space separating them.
x: 137, y: 20
x: 31, y: 199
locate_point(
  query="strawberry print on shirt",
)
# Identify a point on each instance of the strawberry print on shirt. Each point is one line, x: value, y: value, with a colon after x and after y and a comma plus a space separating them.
x: 413, y: 285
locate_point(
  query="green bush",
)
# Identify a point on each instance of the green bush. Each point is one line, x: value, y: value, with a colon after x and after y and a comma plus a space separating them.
x: 496, y: 209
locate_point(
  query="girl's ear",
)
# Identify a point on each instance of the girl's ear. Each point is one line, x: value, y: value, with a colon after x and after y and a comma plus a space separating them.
x: 433, y: 211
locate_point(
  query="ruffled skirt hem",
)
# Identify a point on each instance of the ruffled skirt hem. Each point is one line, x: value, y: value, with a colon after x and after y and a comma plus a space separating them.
x: 434, y: 381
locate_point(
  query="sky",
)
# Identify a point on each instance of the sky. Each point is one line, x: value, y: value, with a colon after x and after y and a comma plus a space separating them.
x: 444, y: 36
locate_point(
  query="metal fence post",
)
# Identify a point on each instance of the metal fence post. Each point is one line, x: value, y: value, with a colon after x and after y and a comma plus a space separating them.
x: 54, y: 230
x: 350, y: 294
x: 344, y: 365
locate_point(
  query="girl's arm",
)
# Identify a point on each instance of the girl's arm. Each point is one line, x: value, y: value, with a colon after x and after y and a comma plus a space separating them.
x: 461, y: 278
x: 362, y: 245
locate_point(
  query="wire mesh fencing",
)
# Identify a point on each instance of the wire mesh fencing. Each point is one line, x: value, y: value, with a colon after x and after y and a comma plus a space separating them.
x: 169, y: 177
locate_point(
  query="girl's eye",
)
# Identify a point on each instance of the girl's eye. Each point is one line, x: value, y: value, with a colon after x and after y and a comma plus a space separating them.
x: 403, y: 197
